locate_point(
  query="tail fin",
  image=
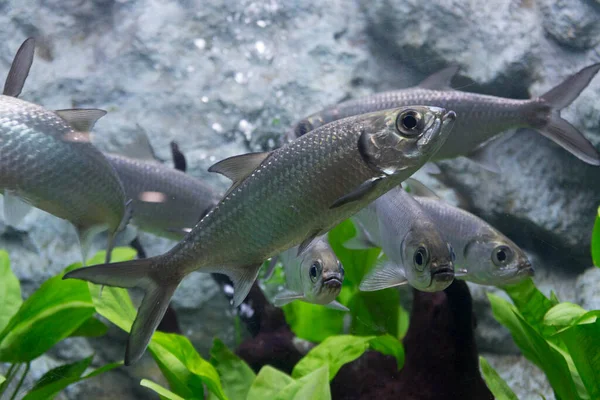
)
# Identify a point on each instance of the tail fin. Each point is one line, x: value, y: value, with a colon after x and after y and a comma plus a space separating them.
x: 137, y: 273
x: 559, y: 130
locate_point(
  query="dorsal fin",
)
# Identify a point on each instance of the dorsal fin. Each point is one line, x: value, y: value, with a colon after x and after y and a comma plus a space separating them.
x: 140, y: 148
x: 238, y: 168
x: 179, y: 160
x: 19, y: 69
x: 418, y: 189
x: 441, y: 79
x: 81, y: 119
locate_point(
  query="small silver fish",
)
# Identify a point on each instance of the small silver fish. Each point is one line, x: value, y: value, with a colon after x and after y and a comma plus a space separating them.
x: 166, y: 202
x: 483, y: 254
x: 278, y: 200
x: 47, y: 160
x: 417, y: 253
x: 314, y: 276
x: 481, y: 117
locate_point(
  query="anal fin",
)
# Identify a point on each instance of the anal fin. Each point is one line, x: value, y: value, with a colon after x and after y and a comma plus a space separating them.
x: 271, y: 268
x: 15, y: 209
x: 86, y: 237
x: 242, y: 277
x: 385, y: 274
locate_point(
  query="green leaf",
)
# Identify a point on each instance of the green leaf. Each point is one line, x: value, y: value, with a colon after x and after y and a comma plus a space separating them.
x: 596, y: 240
x: 313, y: 322
x: 532, y: 305
x: 268, y: 383
x: 91, y: 328
x: 10, y: 291
x: 236, y: 375
x: 375, y: 313
x: 334, y: 351
x: 164, y: 393
x: 57, y: 379
x: 314, y: 386
x: 584, y: 348
x: 563, y: 314
x: 389, y: 345
x: 2, y: 379
x: 51, y: 314
x: 535, y: 348
x: 169, y: 348
x: 495, y: 383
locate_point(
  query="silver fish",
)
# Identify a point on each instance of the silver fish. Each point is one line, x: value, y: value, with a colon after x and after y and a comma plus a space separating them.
x: 417, y: 252
x: 278, y: 200
x: 481, y: 117
x: 47, y: 160
x: 483, y: 254
x: 166, y: 202
x: 314, y: 276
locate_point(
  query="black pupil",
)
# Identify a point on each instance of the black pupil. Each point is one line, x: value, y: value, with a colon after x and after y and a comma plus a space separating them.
x: 313, y: 271
x: 501, y: 255
x: 419, y: 258
x: 409, y: 121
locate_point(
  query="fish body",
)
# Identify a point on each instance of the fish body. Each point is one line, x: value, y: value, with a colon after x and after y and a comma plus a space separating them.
x: 481, y: 117
x: 314, y: 276
x: 417, y: 252
x: 483, y: 254
x: 166, y: 202
x: 279, y: 200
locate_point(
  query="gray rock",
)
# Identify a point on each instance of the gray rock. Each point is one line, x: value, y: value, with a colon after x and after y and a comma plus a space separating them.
x: 572, y: 23
x: 587, y: 289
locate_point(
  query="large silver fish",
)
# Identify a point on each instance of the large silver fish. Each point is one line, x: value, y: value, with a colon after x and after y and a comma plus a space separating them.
x: 281, y: 199
x: 47, y: 160
x: 481, y: 117
x: 417, y: 252
x: 166, y: 202
x: 483, y: 254
x: 313, y: 276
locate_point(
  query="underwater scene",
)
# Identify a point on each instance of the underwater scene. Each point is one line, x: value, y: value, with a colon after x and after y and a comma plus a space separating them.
x: 290, y: 200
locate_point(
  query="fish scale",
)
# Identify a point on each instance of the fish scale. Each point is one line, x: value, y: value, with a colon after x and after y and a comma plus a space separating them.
x: 71, y: 180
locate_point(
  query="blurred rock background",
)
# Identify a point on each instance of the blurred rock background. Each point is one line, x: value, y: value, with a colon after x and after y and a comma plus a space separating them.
x: 223, y: 77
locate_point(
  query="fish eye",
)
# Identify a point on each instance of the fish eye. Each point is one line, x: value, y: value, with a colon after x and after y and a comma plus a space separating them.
x: 341, y: 268
x: 502, y: 255
x: 314, y: 270
x: 421, y: 258
x: 452, y: 253
x: 409, y: 123
x: 303, y: 128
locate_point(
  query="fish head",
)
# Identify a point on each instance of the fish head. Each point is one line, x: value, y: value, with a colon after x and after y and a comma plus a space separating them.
x: 428, y: 259
x: 322, y: 274
x: 495, y: 260
x: 403, y: 138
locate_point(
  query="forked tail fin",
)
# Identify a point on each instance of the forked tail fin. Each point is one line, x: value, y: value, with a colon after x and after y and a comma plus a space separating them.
x: 559, y: 130
x: 145, y: 274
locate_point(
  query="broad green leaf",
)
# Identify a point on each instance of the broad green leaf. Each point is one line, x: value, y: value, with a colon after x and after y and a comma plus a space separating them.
x: 495, y: 383
x: 51, y: 314
x: 532, y: 305
x: 10, y: 291
x: 314, y: 386
x: 57, y: 379
x: 535, y: 348
x: 375, y: 313
x: 236, y: 375
x: 182, y: 349
x: 583, y: 344
x: 91, y: 328
x: 268, y: 383
x: 334, y: 351
x: 403, y: 320
x: 356, y: 262
x: 164, y: 393
x: 563, y: 314
x: 596, y: 240
x: 313, y: 322
x: 389, y: 345
x: 2, y: 379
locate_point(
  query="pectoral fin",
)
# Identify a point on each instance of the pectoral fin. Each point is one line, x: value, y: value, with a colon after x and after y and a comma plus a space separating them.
x: 271, y: 268
x: 19, y: 70
x: 360, y: 192
x: 81, y: 119
x: 286, y: 296
x: 385, y: 274
x: 335, y: 305
x: 15, y: 209
x: 485, y: 158
x: 238, y: 168
x: 440, y: 80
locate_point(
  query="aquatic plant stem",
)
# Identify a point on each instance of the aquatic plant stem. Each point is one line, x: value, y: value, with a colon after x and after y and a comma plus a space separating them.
x: 14, y: 395
x: 9, y: 375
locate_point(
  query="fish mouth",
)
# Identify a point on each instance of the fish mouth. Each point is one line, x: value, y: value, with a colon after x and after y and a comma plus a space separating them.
x: 526, y: 270
x: 332, y: 282
x: 444, y: 273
